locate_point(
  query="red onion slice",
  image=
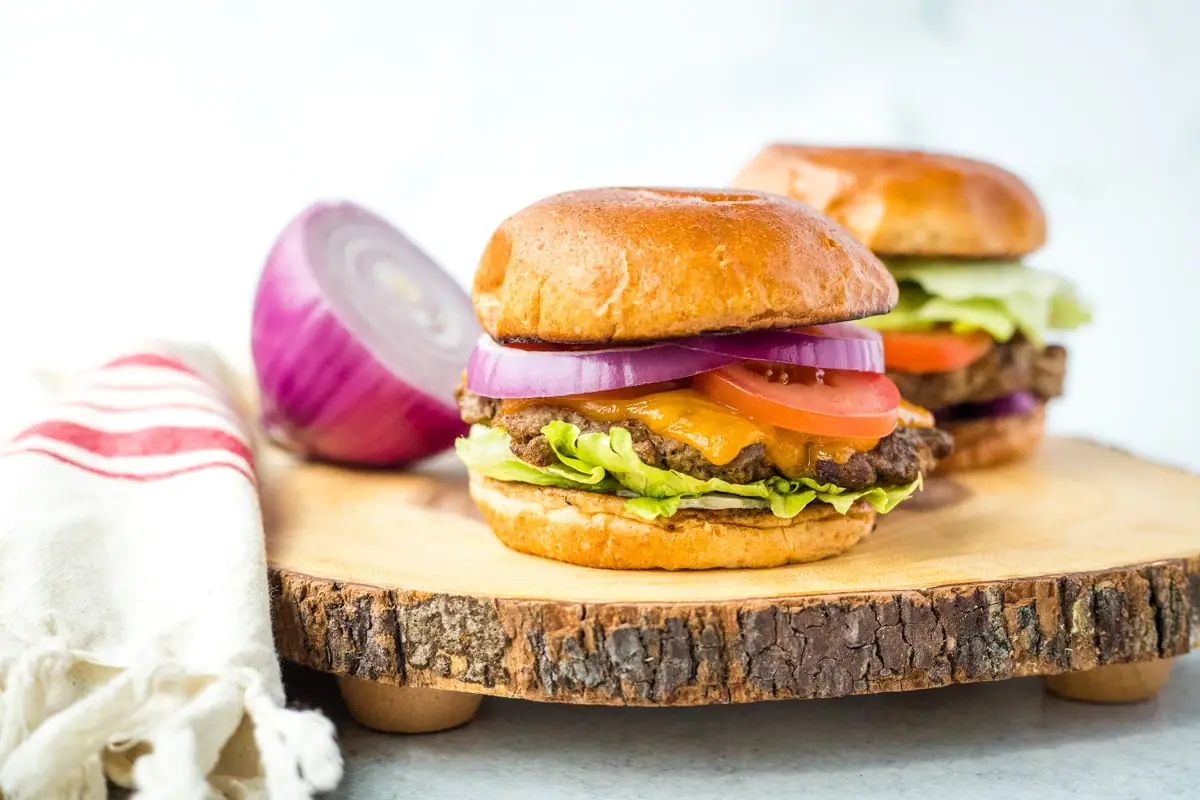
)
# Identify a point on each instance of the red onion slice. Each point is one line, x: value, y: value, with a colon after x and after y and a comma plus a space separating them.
x: 359, y: 340
x: 1016, y: 404
x: 837, y: 346
x: 510, y: 372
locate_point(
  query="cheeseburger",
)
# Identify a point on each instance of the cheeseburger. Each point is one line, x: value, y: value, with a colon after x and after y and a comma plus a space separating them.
x: 667, y: 379
x: 968, y: 336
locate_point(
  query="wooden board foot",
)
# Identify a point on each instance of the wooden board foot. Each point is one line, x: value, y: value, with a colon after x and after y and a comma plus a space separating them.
x: 402, y: 709
x: 1115, y: 683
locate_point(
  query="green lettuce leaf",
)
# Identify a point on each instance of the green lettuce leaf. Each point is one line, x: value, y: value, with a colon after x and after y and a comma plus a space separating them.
x: 606, y: 462
x: 999, y: 297
x: 486, y: 450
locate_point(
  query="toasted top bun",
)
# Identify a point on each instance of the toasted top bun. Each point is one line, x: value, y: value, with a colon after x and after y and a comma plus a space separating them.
x: 905, y: 202
x: 620, y: 265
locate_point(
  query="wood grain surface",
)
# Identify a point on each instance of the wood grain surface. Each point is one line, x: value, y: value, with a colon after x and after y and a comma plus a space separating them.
x: 1084, y: 557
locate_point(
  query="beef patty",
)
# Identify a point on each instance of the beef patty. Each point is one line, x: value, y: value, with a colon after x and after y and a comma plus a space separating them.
x: 1016, y: 365
x: 897, y: 459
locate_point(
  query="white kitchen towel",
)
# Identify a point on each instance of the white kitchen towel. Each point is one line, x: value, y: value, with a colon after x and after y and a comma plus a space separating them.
x: 135, y: 632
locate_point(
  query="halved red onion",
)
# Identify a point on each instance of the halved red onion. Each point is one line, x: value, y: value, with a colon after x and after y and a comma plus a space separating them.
x: 1010, y: 405
x: 498, y: 371
x: 836, y: 346
x: 359, y: 340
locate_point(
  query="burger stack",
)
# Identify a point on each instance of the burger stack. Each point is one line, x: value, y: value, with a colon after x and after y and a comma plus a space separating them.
x: 754, y: 376
x: 668, y: 379
x: 969, y: 337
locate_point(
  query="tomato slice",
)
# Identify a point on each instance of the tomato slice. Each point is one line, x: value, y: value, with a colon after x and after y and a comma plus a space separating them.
x: 821, y: 402
x: 933, y: 351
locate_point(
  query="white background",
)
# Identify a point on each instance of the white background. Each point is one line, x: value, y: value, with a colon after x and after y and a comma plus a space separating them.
x: 150, y: 151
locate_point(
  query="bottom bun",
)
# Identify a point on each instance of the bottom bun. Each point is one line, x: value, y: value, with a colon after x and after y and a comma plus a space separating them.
x: 994, y: 441
x: 595, y: 530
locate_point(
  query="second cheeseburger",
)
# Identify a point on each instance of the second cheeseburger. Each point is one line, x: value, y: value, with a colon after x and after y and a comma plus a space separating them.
x: 968, y: 337
x: 667, y: 380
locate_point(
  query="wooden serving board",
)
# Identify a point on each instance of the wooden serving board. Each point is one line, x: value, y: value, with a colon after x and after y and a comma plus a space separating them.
x: 1084, y: 558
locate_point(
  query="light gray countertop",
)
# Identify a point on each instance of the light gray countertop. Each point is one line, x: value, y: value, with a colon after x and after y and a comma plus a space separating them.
x: 999, y: 740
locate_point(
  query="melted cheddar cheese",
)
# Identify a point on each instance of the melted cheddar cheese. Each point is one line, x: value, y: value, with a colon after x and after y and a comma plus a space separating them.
x: 914, y: 416
x: 719, y: 432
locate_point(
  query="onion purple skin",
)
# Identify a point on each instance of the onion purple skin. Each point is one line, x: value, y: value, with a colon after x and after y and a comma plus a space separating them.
x: 1011, y: 405
x: 322, y: 394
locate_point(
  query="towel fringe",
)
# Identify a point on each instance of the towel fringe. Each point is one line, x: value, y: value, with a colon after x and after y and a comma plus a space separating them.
x: 169, y: 771
x: 64, y: 742
x: 179, y: 762
x: 298, y: 749
x: 54, y: 740
x: 35, y: 687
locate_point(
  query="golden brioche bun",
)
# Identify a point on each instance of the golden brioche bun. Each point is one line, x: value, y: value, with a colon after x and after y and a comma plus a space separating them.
x: 595, y: 530
x: 906, y: 202
x: 993, y: 441
x: 628, y: 264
